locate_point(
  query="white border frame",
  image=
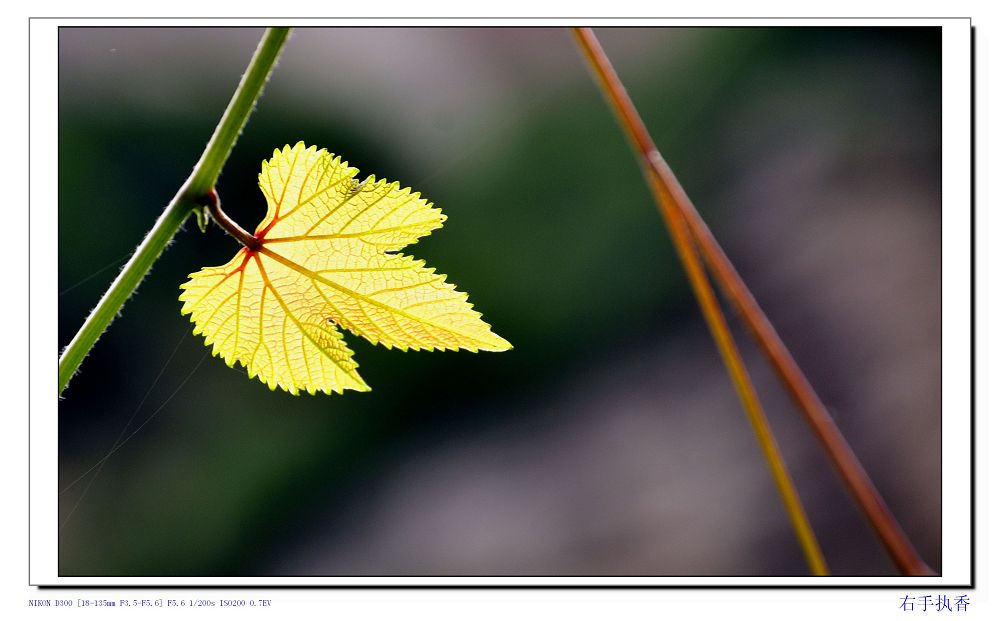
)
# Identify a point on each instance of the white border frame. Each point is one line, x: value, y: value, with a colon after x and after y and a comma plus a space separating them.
x: 956, y: 316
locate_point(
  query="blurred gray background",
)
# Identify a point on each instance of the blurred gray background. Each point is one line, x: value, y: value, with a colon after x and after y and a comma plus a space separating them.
x: 609, y: 441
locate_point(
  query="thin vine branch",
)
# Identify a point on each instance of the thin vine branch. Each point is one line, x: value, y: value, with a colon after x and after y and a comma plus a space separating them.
x: 846, y: 463
x: 193, y: 195
x: 709, y: 304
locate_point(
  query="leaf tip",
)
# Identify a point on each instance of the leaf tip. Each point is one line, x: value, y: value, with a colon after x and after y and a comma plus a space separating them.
x: 502, y: 343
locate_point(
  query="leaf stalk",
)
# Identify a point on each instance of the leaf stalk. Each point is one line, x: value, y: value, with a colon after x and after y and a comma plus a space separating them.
x: 228, y: 224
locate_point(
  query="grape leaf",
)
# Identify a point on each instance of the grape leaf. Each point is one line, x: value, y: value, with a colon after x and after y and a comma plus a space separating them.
x: 325, y: 258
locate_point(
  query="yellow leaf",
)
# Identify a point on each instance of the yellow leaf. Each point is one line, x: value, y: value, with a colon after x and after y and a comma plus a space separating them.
x: 325, y: 258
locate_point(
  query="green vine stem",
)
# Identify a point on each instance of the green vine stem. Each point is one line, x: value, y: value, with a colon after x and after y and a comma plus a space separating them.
x: 194, y: 195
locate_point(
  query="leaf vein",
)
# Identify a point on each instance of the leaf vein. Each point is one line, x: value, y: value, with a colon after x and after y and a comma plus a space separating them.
x: 393, y: 229
x: 288, y: 314
x: 291, y: 264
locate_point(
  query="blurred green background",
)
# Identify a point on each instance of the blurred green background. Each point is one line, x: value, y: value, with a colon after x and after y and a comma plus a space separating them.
x: 609, y: 441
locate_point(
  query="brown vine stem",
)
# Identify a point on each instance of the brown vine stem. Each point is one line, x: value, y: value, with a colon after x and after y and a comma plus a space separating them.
x: 846, y: 463
x: 709, y: 304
